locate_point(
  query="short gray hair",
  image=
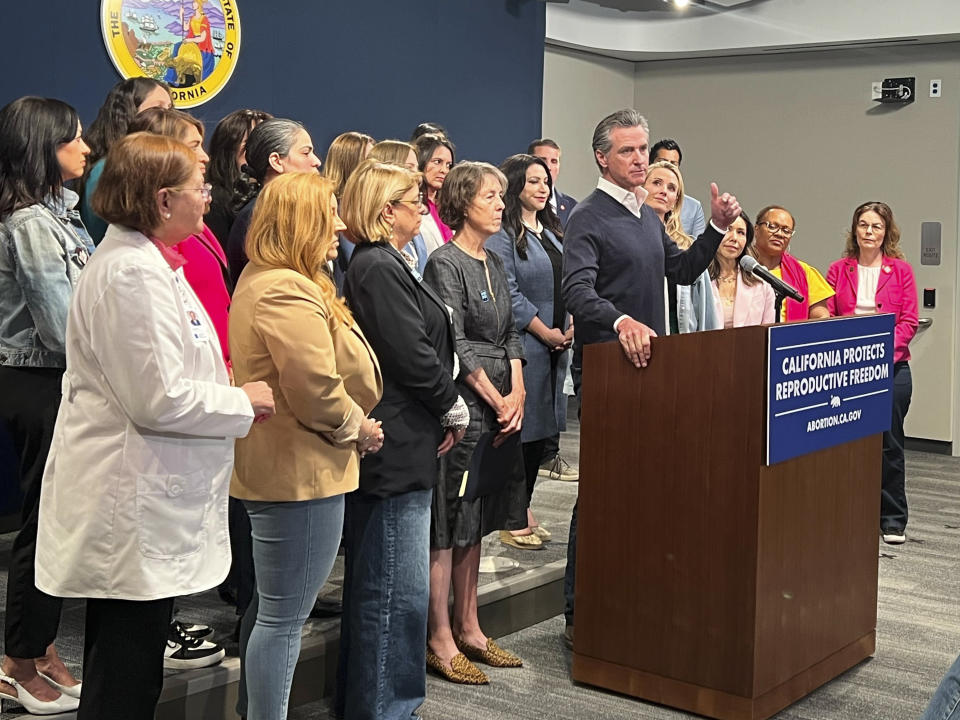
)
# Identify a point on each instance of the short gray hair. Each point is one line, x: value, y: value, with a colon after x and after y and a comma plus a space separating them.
x: 459, y: 189
x: 626, y: 118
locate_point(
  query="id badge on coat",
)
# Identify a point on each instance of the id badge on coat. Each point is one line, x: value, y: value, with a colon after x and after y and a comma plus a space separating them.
x: 194, y: 316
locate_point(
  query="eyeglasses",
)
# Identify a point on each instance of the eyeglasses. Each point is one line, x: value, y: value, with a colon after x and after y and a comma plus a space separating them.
x: 775, y: 229
x: 876, y: 227
x: 418, y: 203
x: 205, y: 190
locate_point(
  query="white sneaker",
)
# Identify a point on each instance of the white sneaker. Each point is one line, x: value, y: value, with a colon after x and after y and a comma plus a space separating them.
x: 195, y: 630
x: 894, y: 537
x: 185, y: 653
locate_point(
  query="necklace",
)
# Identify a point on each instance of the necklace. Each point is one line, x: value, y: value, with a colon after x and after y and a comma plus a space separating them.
x: 727, y: 285
x: 482, y: 254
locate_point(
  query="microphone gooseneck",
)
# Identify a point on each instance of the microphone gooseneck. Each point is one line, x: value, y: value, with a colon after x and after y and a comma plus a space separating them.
x: 749, y: 264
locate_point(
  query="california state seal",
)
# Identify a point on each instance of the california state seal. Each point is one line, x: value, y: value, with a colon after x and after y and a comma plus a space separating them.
x: 192, y: 45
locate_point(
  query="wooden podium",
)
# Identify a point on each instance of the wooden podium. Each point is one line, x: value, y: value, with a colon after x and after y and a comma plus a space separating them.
x: 706, y: 580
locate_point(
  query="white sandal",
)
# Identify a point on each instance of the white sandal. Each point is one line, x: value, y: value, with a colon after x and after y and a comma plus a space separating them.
x: 68, y: 690
x: 62, y: 704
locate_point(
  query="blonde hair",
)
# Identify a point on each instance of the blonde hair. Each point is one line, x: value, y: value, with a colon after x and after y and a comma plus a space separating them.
x: 392, y: 151
x: 345, y: 153
x: 373, y: 186
x: 293, y: 227
x: 671, y: 222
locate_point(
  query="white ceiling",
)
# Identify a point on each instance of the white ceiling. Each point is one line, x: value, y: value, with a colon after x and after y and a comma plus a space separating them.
x: 642, y: 30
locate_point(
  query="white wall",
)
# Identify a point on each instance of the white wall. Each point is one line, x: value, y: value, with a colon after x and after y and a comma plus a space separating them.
x: 800, y: 130
x: 752, y: 28
x: 578, y: 86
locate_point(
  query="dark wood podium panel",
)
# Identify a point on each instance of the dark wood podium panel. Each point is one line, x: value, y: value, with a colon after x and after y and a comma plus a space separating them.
x: 705, y: 580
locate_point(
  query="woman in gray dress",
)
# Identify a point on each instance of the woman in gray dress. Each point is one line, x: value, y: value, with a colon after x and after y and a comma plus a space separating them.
x: 473, y: 284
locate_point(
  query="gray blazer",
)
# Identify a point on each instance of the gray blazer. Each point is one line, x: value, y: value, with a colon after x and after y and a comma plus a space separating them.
x: 531, y: 295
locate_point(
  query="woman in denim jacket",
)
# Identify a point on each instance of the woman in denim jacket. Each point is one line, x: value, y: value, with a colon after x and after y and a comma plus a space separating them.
x: 43, y: 247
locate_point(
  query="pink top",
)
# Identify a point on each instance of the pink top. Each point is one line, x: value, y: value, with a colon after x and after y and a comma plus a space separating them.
x: 205, y: 261
x: 170, y: 254
x: 896, y: 293
x: 793, y: 273
x: 752, y: 305
x: 445, y: 231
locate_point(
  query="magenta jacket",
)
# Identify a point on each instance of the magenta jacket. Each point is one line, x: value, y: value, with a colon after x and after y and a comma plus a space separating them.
x: 204, y: 271
x: 896, y: 293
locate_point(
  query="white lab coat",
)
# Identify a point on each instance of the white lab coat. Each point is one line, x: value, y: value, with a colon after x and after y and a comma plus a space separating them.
x: 134, y: 497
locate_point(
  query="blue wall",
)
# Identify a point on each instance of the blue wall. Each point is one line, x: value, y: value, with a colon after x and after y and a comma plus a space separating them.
x: 378, y: 66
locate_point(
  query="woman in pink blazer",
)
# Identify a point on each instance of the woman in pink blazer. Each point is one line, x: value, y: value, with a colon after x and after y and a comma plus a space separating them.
x: 738, y: 298
x: 873, y: 277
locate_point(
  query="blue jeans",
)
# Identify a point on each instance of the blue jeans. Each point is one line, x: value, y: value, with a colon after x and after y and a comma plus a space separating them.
x: 294, y: 546
x: 945, y: 703
x: 386, y: 591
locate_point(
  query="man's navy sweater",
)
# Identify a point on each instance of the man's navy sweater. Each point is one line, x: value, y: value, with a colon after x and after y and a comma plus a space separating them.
x: 614, y: 264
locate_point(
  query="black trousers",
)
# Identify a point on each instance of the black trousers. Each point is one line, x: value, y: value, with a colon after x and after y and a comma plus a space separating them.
x: 240, y: 580
x: 893, y: 494
x: 532, y: 455
x: 123, y: 658
x: 551, y: 446
x: 31, y: 399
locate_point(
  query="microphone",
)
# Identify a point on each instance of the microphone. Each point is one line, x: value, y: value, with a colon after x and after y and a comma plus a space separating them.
x: 749, y: 264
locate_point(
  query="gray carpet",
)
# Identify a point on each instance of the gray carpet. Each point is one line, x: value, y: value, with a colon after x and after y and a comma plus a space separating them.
x: 918, y: 637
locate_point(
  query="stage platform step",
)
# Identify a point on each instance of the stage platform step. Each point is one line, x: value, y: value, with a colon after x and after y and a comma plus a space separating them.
x: 507, y: 604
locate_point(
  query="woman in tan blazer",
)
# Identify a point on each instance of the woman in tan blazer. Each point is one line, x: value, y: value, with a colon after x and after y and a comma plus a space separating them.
x: 288, y: 328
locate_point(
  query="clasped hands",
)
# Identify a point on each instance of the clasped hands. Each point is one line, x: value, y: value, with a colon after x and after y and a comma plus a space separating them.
x: 556, y: 339
x: 370, y: 439
x: 509, y: 415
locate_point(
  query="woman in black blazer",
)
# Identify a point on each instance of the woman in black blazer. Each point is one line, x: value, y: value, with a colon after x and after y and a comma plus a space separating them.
x: 387, y: 523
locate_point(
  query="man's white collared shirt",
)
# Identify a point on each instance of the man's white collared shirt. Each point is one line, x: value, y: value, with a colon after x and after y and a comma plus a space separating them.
x: 630, y: 199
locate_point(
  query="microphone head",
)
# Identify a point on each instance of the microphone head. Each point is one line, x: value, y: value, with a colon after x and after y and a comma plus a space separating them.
x: 748, y: 263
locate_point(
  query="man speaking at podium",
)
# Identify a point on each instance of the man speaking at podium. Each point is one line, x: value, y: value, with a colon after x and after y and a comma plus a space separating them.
x: 616, y: 254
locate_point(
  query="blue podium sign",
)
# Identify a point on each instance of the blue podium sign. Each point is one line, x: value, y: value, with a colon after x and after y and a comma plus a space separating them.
x: 828, y: 382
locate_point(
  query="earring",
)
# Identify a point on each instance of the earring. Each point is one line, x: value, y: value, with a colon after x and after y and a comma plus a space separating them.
x: 166, y: 216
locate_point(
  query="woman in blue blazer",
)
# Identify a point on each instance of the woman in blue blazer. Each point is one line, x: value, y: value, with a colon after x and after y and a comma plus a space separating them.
x: 529, y: 245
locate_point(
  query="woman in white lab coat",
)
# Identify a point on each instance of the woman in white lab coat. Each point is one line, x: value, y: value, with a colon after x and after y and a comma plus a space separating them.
x: 133, y: 510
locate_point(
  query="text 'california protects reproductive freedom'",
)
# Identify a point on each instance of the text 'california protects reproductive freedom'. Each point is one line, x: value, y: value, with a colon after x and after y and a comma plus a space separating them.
x: 832, y: 379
